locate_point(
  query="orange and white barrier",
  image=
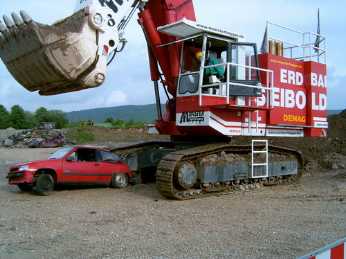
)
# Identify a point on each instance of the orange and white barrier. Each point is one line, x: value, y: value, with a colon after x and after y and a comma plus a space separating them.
x: 336, y: 250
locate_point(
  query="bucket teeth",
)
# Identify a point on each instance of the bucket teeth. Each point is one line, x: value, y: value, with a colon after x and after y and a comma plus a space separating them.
x: 2, y: 39
x: 17, y: 19
x: 2, y: 27
x: 26, y: 18
x: 8, y: 21
x: 52, y: 59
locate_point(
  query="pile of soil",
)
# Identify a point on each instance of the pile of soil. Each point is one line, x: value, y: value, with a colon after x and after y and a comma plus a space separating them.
x: 106, y: 136
x: 337, y: 125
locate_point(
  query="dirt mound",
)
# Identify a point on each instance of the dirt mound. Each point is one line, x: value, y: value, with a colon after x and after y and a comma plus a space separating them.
x: 109, y: 136
x: 337, y: 125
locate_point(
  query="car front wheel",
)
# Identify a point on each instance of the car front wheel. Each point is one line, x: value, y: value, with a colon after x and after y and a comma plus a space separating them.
x: 120, y: 180
x: 44, y: 184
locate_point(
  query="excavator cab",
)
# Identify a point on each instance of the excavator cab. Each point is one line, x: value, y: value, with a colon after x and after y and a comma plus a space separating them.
x: 225, y: 61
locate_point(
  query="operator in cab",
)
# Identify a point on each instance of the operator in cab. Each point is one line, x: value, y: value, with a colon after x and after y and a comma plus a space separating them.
x: 211, y: 72
x: 214, y: 74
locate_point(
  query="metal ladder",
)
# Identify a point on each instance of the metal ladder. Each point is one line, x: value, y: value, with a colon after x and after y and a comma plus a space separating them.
x: 256, y: 164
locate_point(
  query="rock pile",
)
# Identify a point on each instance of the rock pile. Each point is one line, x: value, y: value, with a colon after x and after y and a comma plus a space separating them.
x: 34, y: 139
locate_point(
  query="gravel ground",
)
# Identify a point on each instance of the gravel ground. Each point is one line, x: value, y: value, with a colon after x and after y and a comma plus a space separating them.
x: 271, y: 222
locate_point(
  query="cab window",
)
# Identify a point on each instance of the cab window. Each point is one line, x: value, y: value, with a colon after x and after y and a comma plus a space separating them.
x: 244, y: 54
x: 190, y: 67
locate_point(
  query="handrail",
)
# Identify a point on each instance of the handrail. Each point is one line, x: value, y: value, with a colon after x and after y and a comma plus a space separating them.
x: 228, y: 84
x: 304, y: 46
x: 294, y: 30
x: 239, y: 65
x: 189, y: 73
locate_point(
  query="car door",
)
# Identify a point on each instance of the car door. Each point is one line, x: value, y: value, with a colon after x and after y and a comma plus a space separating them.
x: 81, y: 167
x: 107, y: 160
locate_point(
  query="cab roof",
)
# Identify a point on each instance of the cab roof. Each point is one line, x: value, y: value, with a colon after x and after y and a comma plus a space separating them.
x: 187, y: 28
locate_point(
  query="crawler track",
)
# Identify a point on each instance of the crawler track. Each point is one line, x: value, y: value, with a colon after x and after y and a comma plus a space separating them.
x: 167, y: 167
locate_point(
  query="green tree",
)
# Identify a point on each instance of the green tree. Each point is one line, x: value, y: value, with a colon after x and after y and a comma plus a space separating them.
x: 58, y: 117
x: 4, y: 118
x: 119, y: 124
x: 17, y: 117
x: 42, y: 115
x: 30, y: 120
x: 109, y: 120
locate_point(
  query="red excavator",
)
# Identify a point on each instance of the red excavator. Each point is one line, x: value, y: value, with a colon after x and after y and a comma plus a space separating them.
x: 217, y: 87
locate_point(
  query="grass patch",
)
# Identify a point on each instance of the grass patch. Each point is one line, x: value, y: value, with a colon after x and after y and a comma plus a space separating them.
x: 121, y: 124
x: 80, y: 134
x: 104, y: 125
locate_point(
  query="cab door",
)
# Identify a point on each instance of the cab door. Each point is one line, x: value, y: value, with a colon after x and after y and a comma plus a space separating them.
x: 245, y: 55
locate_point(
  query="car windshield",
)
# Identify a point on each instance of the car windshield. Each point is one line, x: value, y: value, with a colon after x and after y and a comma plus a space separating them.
x: 60, y: 153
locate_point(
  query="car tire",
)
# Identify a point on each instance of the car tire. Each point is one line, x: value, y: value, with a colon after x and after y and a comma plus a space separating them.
x: 25, y: 187
x: 120, y: 181
x: 44, y: 185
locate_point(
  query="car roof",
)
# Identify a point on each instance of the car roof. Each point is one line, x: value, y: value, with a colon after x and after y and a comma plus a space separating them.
x: 104, y: 148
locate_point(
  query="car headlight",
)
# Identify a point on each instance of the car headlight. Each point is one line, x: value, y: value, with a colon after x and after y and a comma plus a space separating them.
x: 23, y: 168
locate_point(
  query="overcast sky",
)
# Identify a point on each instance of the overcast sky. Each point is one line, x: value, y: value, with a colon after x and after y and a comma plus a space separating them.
x: 128, y: 79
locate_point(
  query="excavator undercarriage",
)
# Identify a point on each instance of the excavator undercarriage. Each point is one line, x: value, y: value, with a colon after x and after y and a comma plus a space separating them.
x: 182, y: 172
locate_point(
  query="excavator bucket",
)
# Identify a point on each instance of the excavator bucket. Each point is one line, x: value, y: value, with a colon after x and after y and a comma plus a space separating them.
x: 52, y: 59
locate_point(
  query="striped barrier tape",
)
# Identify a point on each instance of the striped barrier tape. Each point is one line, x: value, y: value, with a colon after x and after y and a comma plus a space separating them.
x: 337, y: 250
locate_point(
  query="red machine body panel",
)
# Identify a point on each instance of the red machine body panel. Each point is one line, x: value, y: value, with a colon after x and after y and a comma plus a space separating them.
x: 288, y: 99
x: 299, y: 97
x: 316, y: 85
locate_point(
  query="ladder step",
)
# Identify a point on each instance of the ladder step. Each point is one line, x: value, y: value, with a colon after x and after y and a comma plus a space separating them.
x: 260, y: 152
x: 259, y: 164
x: 260, y: 141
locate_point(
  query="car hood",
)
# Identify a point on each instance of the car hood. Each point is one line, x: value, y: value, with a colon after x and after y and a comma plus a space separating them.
x: 38, y: 163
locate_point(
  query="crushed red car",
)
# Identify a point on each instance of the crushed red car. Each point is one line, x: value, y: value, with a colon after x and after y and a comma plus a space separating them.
x: 80, y: 165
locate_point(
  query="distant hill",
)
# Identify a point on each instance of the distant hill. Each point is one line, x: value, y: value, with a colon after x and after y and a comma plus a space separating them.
x: 334, y: 112
x: 143, y: 113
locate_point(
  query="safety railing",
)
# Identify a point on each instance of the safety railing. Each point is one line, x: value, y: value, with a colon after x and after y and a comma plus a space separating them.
x: 305, y: 46
x: 239, y: 75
